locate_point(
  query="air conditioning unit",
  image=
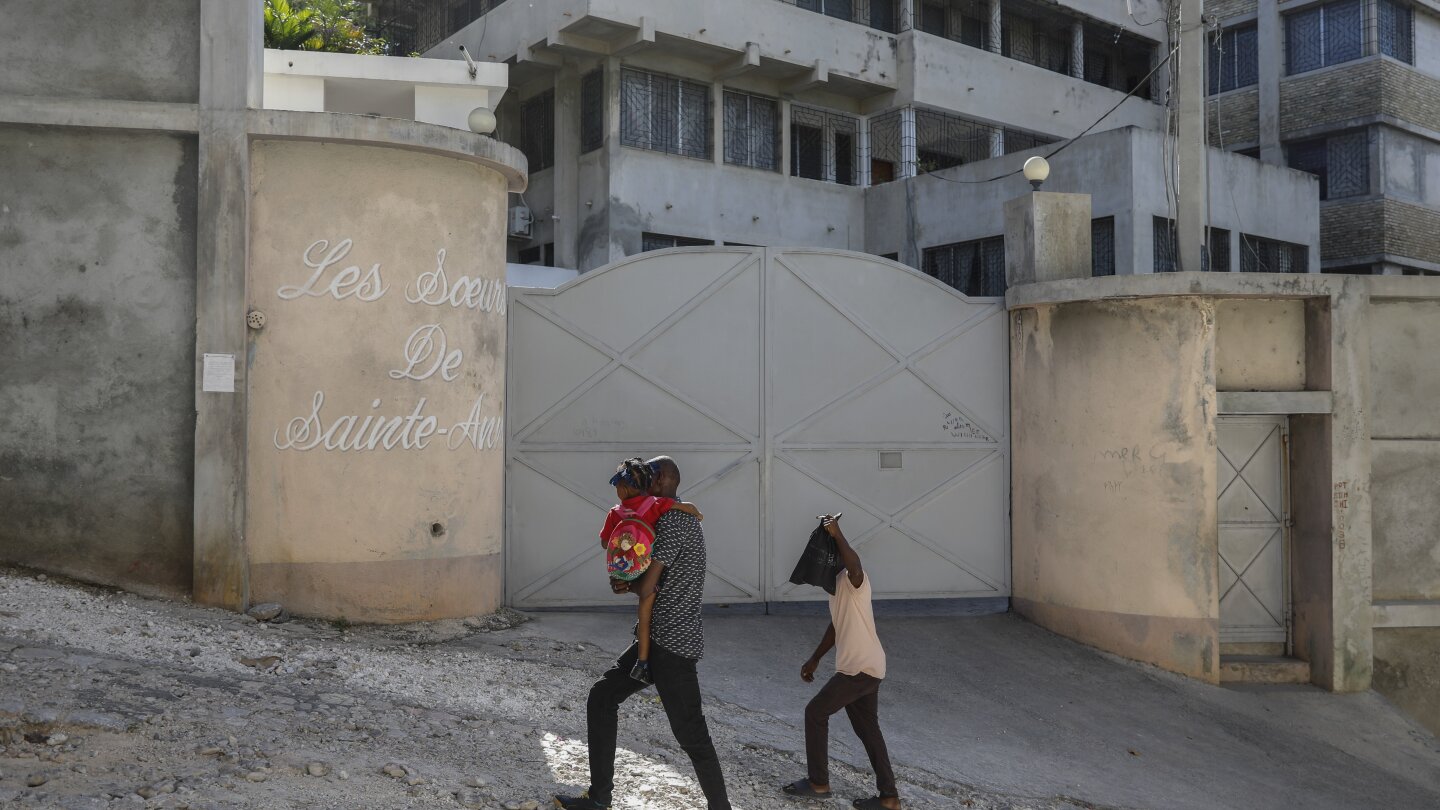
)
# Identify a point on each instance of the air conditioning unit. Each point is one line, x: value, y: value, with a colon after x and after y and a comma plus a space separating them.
x: 520, y: 221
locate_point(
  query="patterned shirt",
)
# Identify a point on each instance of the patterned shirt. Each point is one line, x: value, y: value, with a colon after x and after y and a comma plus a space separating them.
x: 675, y: 622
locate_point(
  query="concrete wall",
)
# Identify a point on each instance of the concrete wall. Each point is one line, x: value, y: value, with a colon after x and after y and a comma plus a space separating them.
x: 97, y: 325
x: 1260, y: 345
x: 135, y: 50
x: 407, y: 526
x: 1114, y: 526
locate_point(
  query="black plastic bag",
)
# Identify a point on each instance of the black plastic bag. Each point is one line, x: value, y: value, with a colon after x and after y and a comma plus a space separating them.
x: 820, y: 563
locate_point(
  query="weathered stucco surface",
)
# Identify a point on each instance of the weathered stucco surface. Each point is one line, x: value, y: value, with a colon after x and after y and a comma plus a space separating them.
x: 97, y: 320
x: 1259, y: 345
x: 1114, y: 526
x: 1405, y: 369
x: 133, y: 50
x: 414, y: 531
x: 1405, y: 507
x: 1407, y: 671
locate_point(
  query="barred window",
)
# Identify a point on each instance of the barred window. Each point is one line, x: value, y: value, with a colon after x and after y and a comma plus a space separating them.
x: 975, y: 268
x: 1165, y: 244
x: 592, y: 111
x: 660, y: 241
x: 823, y: 145
x: 1261, y: 255
x: 932, y: 19
x: 882, y: 15
x: 1342, y: 162
x: 537, y: 131
x: 1043, y: 43
x: 1216, y: 257
x: 941, y: 142
x: 664, y: 114
x: 1324, y: 35
x: 539, y: 254
x: 1102, y: 246
x: 1234, y: 59
x: 752, y: 131
x: 1397, y: 30
x: 885, y: 147
x: 1018, y: 140
x: 1214, y: 254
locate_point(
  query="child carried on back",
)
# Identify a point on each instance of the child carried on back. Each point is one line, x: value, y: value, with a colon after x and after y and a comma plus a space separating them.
x: 629, y: 540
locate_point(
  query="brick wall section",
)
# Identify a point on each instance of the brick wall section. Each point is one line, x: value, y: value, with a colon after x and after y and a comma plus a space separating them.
x: 1235, y: 119
x: 1410, y: 95
x: 1371, y: 227
x: 1371, y: 87
x: 1225, y: 9
x: 1330, y: 96
x: 1349, y: 230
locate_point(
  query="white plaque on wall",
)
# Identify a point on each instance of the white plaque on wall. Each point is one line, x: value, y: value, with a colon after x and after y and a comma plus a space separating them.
x: 219, y: 374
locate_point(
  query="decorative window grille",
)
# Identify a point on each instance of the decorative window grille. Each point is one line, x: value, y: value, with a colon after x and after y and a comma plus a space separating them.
x: 1397, y: 30
x: 1166, y: 245
x: 1018, y: 140
x: 823, y: 145
x: 932, y: 18
x: 592, y: 110
x: 882, y: 15
x: 1342, y: 162
x: 885, y: 148
x: 1043, y: 43
x: 941, y: 142
x: 752, y: 131
x: 1325, y: 35
x: 537, y: 130
x: 975, y: 268
x: 664, y: 114
x: 660, y: 241
x: 1234, y: 59
x: 1261, y: 255
x: 1102, y: 246
x: 464, y: 12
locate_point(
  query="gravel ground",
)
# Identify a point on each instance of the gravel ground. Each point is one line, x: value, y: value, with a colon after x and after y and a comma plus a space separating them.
x: 109, y: 699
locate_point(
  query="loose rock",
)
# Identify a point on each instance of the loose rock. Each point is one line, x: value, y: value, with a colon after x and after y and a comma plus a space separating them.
x: 36, y: 780
x: 265, y: 612
x: 317, y: 769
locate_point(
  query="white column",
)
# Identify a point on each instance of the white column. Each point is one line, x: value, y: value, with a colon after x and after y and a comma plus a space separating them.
x: 992, y: 42
x: 862, y: 165
x: 1077, y: 49
x: 907, y: 15
x: 909, y: 155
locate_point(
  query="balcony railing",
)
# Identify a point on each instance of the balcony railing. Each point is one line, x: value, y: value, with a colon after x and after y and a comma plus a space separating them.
x: 882, y: 15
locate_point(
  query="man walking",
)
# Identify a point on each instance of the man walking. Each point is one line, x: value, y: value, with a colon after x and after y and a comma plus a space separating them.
x: 859, y: 670
x: 677, y: 642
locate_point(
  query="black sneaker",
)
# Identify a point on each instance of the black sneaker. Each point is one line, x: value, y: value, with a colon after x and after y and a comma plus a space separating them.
x: 581, y: 802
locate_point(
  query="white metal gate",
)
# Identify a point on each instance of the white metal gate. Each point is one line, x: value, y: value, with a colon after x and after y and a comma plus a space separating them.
x: 786, y: 383
x: 1254, y: 581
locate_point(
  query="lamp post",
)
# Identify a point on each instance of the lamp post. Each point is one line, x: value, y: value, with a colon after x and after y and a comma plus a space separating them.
x: 1036, y: 170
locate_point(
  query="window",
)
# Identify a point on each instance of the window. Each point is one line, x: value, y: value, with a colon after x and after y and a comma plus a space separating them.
x: 664, y: 114
x: 1342, y: 162
x: 537, y: 131
x: 878, y: 14
x: 823, y: 145
x: 1324, y: 35
x: 894, y: 257
x: 1234, y: 59
x: 1214, y: 254
x: 1260, y: 255
x: 660, y: 241
x: 1102, y: 246
x: 975, y: 268
x: 752, y: 131
x: 1043, y: 43
x: 1165, y: 244
x: 1397, y: 30
x: 539, y: 254
x: 1216, y: 258
x: 932, y: 19
x: 592, y: 111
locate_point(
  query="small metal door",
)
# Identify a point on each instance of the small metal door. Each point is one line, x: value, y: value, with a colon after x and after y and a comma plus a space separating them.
x: 1254, y: 538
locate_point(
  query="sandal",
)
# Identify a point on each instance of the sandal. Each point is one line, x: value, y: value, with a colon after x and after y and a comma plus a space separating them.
x: 800, y: 789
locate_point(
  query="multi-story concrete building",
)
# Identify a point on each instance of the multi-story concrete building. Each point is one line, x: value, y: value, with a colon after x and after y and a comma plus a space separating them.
x: 867, y: 125
x: 1349, y: 91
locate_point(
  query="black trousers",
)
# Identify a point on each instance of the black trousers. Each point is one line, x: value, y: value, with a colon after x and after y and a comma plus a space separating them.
x: 859, y: 696
x: 679, y: 689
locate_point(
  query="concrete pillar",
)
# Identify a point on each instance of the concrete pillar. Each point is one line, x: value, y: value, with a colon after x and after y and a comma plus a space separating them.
x: 862, y: 168
x: 909, y: 154
x: 784, y: 112
x: 612, y: 249
x: 907, y: 15
x: 231, y: 72
x: 717, y: 114
x: 995, y: 34
x: 1371, y: 26
x: 566, y: 201
x: 1047, y: 237
x: 1077, y: 49
x: 1192, y: 178
x: 1269, y: 33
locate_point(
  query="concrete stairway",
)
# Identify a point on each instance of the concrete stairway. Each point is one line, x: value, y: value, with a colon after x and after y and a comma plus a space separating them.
x: 1263, y: 669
